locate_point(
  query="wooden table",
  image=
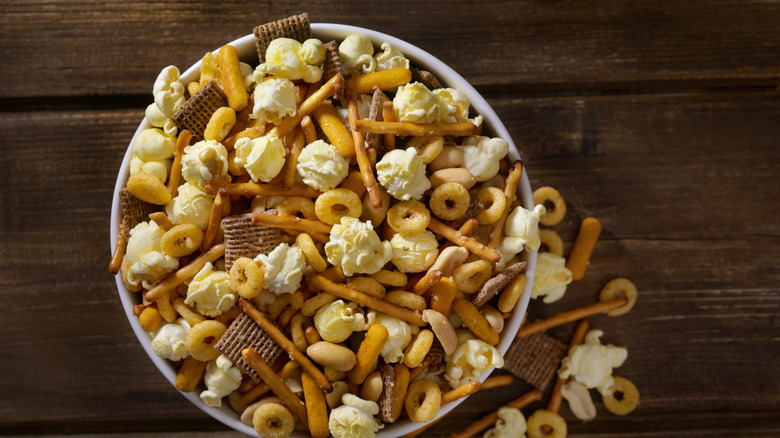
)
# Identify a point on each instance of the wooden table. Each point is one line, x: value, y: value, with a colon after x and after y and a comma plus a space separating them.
x: 661, y: 118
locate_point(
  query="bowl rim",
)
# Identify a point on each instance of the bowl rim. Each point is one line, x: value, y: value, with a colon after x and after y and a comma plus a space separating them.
x: 326, y: 32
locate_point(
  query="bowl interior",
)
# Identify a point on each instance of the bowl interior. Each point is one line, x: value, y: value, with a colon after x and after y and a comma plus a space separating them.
x: 327, y: 32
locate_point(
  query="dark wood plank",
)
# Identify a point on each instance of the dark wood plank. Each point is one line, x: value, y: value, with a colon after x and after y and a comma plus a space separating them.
x: 87, y: 48
x: 684, y: 188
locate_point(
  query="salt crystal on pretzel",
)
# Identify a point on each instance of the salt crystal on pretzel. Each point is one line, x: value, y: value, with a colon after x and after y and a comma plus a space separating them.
x: 245, y: 333
x: 295, y: 27
x: 196, y: 112
x: 535, y: 359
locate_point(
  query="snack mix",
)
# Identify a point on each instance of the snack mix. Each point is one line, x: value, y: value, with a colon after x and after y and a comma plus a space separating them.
x: 326, y: 240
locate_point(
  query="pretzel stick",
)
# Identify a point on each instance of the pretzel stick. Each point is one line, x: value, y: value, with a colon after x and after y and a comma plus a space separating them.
x: 576, y: 339
x: 510, y: 191
x: 290, y: 223
x: 258, y: 390
x: 571, y: 315
x: 467, y: 229
x: 119, y: 250
x: 429, y: 279
x: 309, y: 131
x: 214, y: 219
x: 497, y: 382
x: 286, y: 344
x: 460, y: 129
x: 461, y: 391
x: 310, y: 104
x: 171, y: 282
x: 583, y: 247
x: 388, y: 115
x: 489, y: 254
x: 364, y: 163
x: 162, y: 220
x: 277, y: 385
x: 341, y: 291
x: 174, y: 180
x: 295, y: 151
x: 259, y: 189
x: 490, y: 419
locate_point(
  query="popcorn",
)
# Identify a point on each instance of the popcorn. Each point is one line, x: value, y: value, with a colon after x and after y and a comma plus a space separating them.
x: 191, y: 206
x: 390, y: 57
x: 169, y: 341
x: 168, y: 98
x: 521, y: 231
x: 354, y: 418
x: 415, y: 103
x: 335, y: 322
x: 551, y: 278
x: 283, y: 269
x: 263, y: 158
x: 414, y: 253
x: 210, y: 292
x: 356, y: 53
x: 399, y: 335
x: 152, y: 152
x: 275, y: 98
x: 205, y: 162
x: 289, y: 59
x: 455, y: 105
x: 591, y: 363
x: 470, y: 360
x: 322, y: 166
x: 509, y: 424
x: 148, y: 263
x: 356, y: 248
x: 402, y: 174
x: 481, y: 155
x: 221, y: 378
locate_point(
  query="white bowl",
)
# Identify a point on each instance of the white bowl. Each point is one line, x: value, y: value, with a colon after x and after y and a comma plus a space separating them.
x: 327, y: 32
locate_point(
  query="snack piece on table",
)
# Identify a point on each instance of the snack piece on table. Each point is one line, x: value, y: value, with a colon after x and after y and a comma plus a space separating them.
x: 535, y: 359
x: 591, y: 363
x: 521, y: 232
x: 551, y: 278
x: 509, y: 424
x: 497, y: 283
x: 245, y: 239
x: 296, y: 27
x: 134, y: 210
x: 243, y: 333
x: 196, y: 112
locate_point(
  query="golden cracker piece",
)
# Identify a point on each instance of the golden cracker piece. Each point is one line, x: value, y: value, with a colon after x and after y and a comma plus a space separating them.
x: 426, y: 78
x: 375, y: 114
x: 296, y: 27
x: 535, y: 359
x: 497, y: 284
x: 243, y: 333
x: 134, y: 211
x: 385, y: 402
x: 196, y: 112
x: 245, y: 239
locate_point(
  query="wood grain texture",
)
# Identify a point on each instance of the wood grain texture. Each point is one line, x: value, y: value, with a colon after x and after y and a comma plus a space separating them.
x: 88, y: 48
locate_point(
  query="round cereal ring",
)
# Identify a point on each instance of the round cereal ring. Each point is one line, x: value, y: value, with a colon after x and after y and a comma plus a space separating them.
x: 247, y: 277
x: 542, y: 420
x: 624, y: 398
x: 418, y: 348
x: 202, y: 338
x: 544, y: 195
x: 366, y: 285
x: 334, y: 204
x: 406, y: 299
x: 470, y: 277
x: 148, y: 188
x: 619, y: 287
x: 423, y: 400
x: 449, y: 201
x: 298, y: 206
x: 408, y: 217
x: 428, y: 147
x: 494, y: 201
x: 309, y: 249
x: 220, y: 124
x: 553, y: 241
x: 272, y: 420
x: 181, y: 240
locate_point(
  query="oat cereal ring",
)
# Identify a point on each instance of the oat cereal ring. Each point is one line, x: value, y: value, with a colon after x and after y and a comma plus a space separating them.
x: 629, y: 397
x: 543, y: 195
x: 423, y: 400
x: 220, y: 124
x: 619, y: 287
x: 542, y: 420
x: 428, y: 147
x: 552, y: 241
x: 449, y: 201
x: 406, y: 299
x: 202, y: 338
x: 334, y: 204
x: 470, y: 277
x: 309, y: 249
x: 408, y: 217
x: 390, y: 278
x: 246, y: 277
x: 366, y: 285
x: 272, y: 420
x: 299, y: 207
x: 494, y: 201
x: 418, y: 348
x: 181, y: 240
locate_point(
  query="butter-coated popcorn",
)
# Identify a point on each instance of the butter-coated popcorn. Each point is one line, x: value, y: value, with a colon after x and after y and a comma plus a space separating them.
x: 399, y: 335
x: 470, y: 360
x: 191, y: 206
x: 551, y: 277
x: 335, y: 322
x: 521, y: 231
x: 287, y: 58
x: 169, y: 341
x: 283, y: 268
x: 148, y: 263
x: 415, y: 103
x: 591, y: 363
x: 402, y: 174
x: 152, y: 153
x: 263, y: 157
x: 205, y: 162
x: 481, y: 155
x: 221, y: 378
x: 275, y: 98
x: 357, y: 54
x: 210, y: 291
x: 390, y: 57
x: 455, y: 105
x: 355, y: 247
x: 414, y: 253
x: 322, y: 166
x: 168, y: 98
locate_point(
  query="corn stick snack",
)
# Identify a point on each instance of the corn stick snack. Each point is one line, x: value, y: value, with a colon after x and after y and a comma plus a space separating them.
x: 310, y: 190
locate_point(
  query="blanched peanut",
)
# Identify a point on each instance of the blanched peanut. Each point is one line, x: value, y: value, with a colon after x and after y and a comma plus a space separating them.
x: 444, y: 331
x: 332, y: 355
x: 372, y: 387
x: 457, y: 175
x: 449, y: 157
x: 494, y: 318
